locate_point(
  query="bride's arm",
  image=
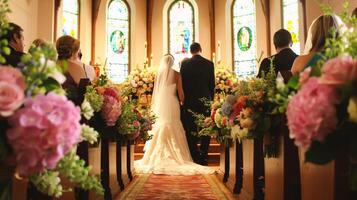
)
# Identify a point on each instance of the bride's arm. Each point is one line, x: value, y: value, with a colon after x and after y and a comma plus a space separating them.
x: 179, y: 87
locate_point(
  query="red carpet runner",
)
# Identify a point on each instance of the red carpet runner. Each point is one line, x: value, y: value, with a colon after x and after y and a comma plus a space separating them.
x: 150, y: 186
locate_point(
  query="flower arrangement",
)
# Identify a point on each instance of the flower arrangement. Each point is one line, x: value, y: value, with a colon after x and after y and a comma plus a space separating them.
x: 132, y: 124
x: 104, y: 98
x: 139, y: 85
x: 40, y: 127
x: 226, y: 83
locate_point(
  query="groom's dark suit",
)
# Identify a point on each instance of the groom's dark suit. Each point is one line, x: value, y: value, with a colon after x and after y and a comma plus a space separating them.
x: 198, y: 81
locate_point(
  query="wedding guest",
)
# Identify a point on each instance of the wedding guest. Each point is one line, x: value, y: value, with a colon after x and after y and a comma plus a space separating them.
x: 78, y: 76
x: 68, y: 54
x: 15, y: 40
x: 39, y: 42
x: 319, y: 32
x: 283, y: 59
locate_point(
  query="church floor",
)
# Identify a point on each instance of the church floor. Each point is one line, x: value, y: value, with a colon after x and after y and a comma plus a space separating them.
x: 151, y: 186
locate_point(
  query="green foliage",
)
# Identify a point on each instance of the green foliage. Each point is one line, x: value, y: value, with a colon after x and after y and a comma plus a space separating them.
x: 125, y: 123
x: 41, y: 71
x: 48, y: 182
x: 95, y: 100
x: 75, y: 170
x: 4, y: 28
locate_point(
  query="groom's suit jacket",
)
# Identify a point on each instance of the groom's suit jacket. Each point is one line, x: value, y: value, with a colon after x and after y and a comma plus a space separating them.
x: 198, y: 81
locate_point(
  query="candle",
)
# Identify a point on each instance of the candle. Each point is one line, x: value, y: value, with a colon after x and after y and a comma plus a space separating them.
x: 146, y: 49
x: 219, y: 51
x: 151, y: 60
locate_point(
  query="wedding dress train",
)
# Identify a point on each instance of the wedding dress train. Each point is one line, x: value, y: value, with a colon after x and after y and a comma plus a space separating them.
x: 168, y: 152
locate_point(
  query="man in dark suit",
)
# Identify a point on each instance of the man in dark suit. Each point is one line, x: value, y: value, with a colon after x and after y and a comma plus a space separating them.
x: 198, y: 82
x: 15, y: 40
x: 284, y: 59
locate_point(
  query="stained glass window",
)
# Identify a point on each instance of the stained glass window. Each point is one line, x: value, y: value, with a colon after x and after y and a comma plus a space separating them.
x: 117, y: 41
x: 70, y: 18
x: 244, y: 42
x: 291, y: 21
x: 181, y: 29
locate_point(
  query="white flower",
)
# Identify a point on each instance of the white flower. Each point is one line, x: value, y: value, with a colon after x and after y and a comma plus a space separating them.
x: 133, y: 83
x: 239, y: 133
x: 87, y: 110
x: 89, y: 134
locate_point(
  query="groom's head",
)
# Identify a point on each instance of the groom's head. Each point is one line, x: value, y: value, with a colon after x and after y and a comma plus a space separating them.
x: 195, y: 48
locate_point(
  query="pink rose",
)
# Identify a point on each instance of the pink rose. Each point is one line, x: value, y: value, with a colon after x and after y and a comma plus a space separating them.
x: 12, y: 86
x: 339, y: 70
x: 12, y: 75
x: 111, y: 110
x: 311, y: 113
x: 43, y: 131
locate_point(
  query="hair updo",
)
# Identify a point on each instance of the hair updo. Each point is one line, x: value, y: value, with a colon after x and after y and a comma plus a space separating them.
x: 66, y: 46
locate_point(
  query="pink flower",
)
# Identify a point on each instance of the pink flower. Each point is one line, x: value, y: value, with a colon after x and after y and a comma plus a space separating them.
x: 43, y: 131
x: 111, y: 110
x: 136, y: 124
x: 304, y: 76
x: 12, y: 75
x: 12, y: 86
x: 339, y: 70
x: 311, y: 113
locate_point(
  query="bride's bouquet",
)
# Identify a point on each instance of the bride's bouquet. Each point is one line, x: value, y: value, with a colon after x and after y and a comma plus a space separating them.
x: 40, y: 127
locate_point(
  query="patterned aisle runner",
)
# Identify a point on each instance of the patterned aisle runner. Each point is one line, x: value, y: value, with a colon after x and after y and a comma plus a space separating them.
x: 150, y: 186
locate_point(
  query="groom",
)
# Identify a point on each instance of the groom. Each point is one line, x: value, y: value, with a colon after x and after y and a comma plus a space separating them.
x: 198, y: 82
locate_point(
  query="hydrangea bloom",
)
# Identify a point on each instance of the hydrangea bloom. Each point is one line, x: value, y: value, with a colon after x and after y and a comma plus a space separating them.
x: 43, y: 131
x: 339, y: 70
x: 311, y: 113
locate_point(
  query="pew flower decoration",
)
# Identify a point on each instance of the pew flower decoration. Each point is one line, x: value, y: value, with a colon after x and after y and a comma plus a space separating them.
x: 104, y: 98
x: 40, y: 127
x: 321, y: 109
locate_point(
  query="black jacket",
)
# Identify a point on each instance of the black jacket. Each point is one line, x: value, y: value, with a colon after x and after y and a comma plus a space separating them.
x: 13, y: 58
x: 283, y: 61
x: 198, y: 81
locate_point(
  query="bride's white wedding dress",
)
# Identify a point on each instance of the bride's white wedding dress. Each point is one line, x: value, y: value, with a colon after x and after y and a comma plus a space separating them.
x: 168, y: 152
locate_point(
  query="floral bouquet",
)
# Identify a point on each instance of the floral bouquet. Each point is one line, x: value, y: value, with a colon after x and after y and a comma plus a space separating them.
x: 139, y: 85
x: 226, y: 83
x: 321, y: 102
x: 40, y: 128
x: 216, y: 125
x: 129, y: 124
x: 247, y: 110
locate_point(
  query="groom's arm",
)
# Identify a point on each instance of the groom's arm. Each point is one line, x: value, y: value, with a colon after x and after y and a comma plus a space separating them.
x: 212, y: 83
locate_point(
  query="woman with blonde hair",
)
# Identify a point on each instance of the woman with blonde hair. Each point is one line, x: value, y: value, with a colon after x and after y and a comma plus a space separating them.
x: 319, y: 31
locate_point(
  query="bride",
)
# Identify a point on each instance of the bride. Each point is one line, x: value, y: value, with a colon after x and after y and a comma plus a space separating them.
x: 168, y: 152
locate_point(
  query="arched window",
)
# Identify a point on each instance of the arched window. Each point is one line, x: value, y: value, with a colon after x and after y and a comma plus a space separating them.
x: 181, y: 28
x: 70, y: 18
x: 291, y: 21
x: 118, y: 40
x: 244, y: 38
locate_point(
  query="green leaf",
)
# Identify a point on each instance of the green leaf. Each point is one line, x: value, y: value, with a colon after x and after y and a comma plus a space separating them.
x: 294, y: 82
x: 315, y: 71
x: 51, y: 84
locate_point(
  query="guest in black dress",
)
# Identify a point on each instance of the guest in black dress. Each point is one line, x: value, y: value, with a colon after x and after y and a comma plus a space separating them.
x: 78, y: 76
x: 284, y: 59
x: 15, y: 40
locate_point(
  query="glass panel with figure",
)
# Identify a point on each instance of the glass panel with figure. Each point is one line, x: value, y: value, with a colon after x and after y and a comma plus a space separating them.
x: 181, y: 29
x: 70, y: 17
x: 244, y: 38
x: 291, y: 22
x: 117, y: 41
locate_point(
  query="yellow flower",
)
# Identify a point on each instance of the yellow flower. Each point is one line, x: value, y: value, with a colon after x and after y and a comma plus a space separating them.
x: 352, y: 109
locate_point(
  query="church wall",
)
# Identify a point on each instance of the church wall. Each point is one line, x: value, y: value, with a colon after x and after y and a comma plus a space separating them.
x: 85, y: 30
x: 25, y: 13
x: 45, y: 26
